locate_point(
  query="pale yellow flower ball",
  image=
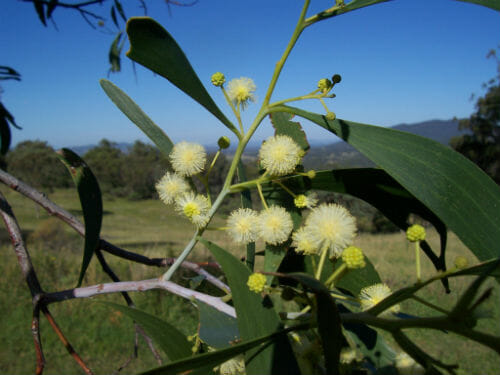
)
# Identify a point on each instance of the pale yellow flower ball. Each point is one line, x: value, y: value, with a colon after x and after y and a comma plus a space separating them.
x: 195, y: 207
x: 241, y: 90
x: 374, y: 294
x: 170, y: 186
x: 188, y: 158
x: 279, y: 155
x: 274, y: 225
x: 242, y: 225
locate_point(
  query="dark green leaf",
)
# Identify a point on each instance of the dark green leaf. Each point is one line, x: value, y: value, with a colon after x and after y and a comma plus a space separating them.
x: 355, y: 280
x: 493, y: 4
x: 51, y: 7
x: 216, y: 329
x: 137, y: 116
x: 113, y: 16
x: 6, y: 72
x: 172, y: 341
x: 4, y: 134
x: 246, y: 202
x: 119, y: 7
x: 90, y: 200
x: 114, y: 53
x: 452, y: 187
x: 152, y: 46
x: 40, y: 11
x: 219, y: 356
x: 282, y: 125
x: 255, y: 319
x: 479, y: 269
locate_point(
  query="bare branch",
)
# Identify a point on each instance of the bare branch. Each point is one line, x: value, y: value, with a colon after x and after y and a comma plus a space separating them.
x: 55, y: 210
x: 140, y: 286
x: 35, y: 331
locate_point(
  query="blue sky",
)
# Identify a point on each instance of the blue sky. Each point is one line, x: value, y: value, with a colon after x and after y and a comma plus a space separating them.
x: 401, y: 61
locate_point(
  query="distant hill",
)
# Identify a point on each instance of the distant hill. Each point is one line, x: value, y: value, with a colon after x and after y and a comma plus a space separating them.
x: 341, y: 154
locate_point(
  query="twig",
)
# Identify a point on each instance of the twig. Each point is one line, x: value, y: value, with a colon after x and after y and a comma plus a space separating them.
x: 65, y: 341
x: 55, y: 210
x: 35, y: 331
x: 140, y: 286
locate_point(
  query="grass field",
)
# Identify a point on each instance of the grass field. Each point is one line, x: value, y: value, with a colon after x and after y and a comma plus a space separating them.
x: 104, y: 338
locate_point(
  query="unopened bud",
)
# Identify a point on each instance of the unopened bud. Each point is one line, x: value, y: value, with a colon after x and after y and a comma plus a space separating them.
x: 330, y: 116
x: 224, y: 142
x: 218, y: 79
x: 311, y: 174
x: 336, y: 78
x: 324, y: 84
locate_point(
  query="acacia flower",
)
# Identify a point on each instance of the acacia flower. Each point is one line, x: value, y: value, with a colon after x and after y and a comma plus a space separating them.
x: 234, y: 366
x: 303, y: 242
x: 279, y: 155
x: 240, y: 91
x: 331, y: 227
x: 188, y: 158
x: 415, y: 233
x: 373, y: 294
x: 353, y: 257
x: 274, y: 225
x: 406, y: 365
x: 324, y: 85
x: 305, y: 201
x: 195, y: 207
x: 242, y: 224
x: 170, y: 186
x: 218, y: 79
x: 256, y: 282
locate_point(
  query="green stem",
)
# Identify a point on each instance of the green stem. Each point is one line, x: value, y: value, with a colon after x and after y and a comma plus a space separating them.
x: 321, y: 262
x: 431, y: 305
x: 339, y: 272
x: 259, y: 189
x: 285, y: 188
x: 236, y: 113
x: 279, y: 66
x: 297, y: 98
x: 417, y: 260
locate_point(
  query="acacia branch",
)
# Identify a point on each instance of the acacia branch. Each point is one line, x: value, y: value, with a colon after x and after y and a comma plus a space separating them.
x: 140, y: 286
x: 59, y: 212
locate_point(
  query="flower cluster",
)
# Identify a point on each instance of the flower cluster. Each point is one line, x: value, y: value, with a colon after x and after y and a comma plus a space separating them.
x: 374, y: 294
x: 273, y: 225
x: 241, y: 90
x: 415, y: 233
x: 187, y: 159
x: 256, y: 282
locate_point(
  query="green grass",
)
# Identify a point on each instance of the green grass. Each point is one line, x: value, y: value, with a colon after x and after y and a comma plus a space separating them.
x: 105, y: 338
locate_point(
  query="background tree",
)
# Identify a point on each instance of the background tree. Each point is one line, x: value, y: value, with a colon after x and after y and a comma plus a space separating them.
x: 36, y: 163
x: 482, y: 145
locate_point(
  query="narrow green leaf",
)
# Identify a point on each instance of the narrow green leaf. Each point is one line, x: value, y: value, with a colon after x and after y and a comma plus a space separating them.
x: 217, y: 329
x: 255, y: 319
x: 246, y: 202
x: 40, y: 11
x: 114, y: 53
x: 170, y: 339
x: 215, y: 358
x: 137, y: 116
x: 90, y: 200
x: 153, y: 47
x: 52, y: 5
x: 452, y: 187
x: 282, y: 125
x: 493, y: 4
x: 113, y: 16
x: 119, y: 7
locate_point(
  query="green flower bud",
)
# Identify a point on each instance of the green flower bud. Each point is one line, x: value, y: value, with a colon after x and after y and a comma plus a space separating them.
x: 218, y: 79
x: 224, y: 142
x: 311, y: 174
x: 336, y: 78
x: 324, y: 84
x: 330, y: 116
x: 461, y: 262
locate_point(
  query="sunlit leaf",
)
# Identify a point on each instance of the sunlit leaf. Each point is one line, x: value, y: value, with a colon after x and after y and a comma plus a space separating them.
x: 90, y: 200
x: 493, y: 4
x: 137, y: 116
x: 152, y: 46
x: 255, y: 319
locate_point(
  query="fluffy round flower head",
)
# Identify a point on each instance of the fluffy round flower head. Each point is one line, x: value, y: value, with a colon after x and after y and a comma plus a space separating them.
x: 218, y: 79
x: 188, y: 158
x: 332, y: 227
x: 353, y: 257
x: 256, y: 282
x: 235, y: 366
x: 415, y: 233
x: 373, y: 294
x: 170, y: 186
x: 242, y: 224
x: 406, y: 365
x: 195, y: 207
x: 274, y: 225
x: 305, y: 201
x: 303, y: 242
x: 279, y: 155
x: 240, y: 91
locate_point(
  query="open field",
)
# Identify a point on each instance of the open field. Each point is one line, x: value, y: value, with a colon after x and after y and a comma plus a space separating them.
x: 105, y: 338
